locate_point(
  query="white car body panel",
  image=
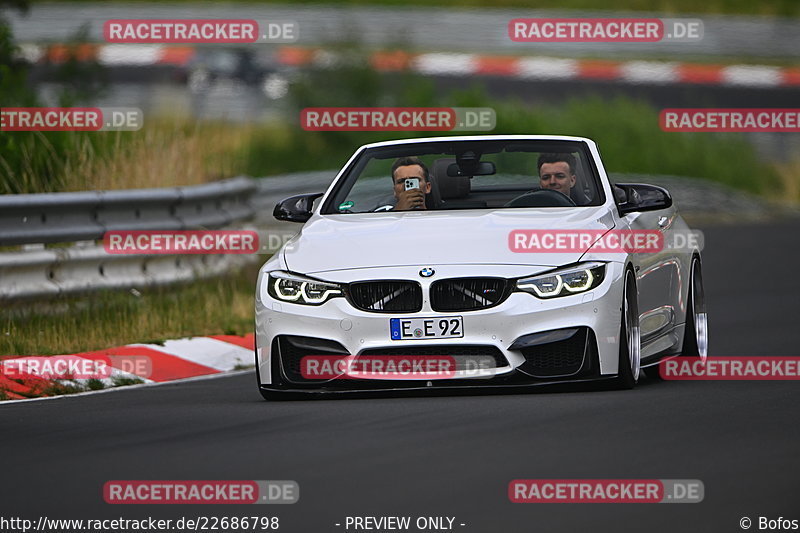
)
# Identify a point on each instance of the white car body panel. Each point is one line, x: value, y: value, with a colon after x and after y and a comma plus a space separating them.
x: 345, y: 248
x: 337, y: 242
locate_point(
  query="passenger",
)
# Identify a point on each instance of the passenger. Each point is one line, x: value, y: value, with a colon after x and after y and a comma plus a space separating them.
x: 410, y: 167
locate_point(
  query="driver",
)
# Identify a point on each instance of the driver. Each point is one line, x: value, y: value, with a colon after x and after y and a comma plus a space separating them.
x: 410, y: 167
x: 557, y: 172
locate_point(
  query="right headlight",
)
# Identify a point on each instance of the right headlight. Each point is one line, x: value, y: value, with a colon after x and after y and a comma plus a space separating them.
x: 293, y: 288
x: 563, y: 282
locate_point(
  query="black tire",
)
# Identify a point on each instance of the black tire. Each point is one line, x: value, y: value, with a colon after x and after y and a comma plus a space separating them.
x: 695, y: 337
x: 694, y: 345
x: 629, y: 339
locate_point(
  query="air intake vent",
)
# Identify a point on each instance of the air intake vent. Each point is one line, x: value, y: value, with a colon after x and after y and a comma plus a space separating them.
x: 468, y: 294
x: 386, y: 296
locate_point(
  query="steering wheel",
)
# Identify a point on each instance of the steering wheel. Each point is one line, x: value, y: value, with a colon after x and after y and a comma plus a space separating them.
x: 542, y: 198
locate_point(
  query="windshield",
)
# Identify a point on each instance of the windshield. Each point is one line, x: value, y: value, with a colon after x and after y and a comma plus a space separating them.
x: 468, y: 175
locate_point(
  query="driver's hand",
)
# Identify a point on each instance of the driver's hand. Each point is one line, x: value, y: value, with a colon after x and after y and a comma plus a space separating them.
x: 410, y: 199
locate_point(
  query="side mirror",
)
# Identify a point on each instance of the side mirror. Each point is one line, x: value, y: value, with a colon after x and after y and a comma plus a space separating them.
x: 296, y: 208
x: 635, y: 197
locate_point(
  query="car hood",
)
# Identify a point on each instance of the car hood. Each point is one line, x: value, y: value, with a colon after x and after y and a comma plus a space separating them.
x: 350, y: 241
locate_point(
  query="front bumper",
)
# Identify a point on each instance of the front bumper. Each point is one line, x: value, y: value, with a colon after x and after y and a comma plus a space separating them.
x: 514, y: 333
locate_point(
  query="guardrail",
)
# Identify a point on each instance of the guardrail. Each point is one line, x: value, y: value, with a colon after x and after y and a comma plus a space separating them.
x: 33, y: 220
x: 81, y: 216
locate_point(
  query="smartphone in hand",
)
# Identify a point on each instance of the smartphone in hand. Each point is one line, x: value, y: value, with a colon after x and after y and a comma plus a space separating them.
x: 412, y: 183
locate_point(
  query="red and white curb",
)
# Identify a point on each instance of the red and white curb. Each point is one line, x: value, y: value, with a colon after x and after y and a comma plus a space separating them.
x: 455, y: 64
x: 554, y: 68
x: 175, y: 359
x: 109, y: 54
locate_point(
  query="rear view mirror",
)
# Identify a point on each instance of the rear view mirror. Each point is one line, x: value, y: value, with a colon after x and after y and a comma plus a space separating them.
x: 482, y: 168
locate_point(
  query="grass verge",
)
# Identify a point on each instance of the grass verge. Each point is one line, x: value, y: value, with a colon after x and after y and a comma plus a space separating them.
x: 108, y: 319
x: 166, y: 153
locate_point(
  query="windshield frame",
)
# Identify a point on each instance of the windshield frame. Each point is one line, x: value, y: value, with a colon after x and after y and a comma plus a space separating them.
x: 354, y: 168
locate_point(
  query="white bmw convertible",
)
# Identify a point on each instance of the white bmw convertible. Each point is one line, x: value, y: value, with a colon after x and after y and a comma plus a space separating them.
x: 480, y: 261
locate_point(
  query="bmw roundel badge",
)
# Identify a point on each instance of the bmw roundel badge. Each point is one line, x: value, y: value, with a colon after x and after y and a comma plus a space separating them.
x: 427, y: 272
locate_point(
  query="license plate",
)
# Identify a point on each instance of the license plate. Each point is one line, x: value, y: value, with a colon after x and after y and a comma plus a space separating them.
x: 441, y: 327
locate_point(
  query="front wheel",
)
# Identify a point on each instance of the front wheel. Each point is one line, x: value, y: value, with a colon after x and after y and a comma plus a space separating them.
x: 629, y: 337
x: 695, y: 336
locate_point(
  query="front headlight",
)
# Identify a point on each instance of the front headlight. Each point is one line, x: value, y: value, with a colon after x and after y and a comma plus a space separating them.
x: 297, y: 289
x: 565, y: 281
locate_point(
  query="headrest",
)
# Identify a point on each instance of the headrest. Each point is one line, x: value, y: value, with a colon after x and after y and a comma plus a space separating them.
x: 450, y: 187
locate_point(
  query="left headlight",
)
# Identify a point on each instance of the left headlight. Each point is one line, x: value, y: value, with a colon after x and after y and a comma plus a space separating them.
x: 296, y: 289
x: 563, y: 282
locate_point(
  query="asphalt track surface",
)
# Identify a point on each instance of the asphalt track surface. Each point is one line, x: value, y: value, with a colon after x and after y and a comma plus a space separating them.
x: 452, y: 455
